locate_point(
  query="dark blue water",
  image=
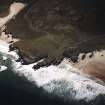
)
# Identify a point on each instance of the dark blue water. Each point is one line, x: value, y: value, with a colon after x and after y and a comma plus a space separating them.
x: 16, y: 90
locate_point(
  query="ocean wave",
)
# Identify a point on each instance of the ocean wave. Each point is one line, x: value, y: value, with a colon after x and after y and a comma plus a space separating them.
x: 61, y: 81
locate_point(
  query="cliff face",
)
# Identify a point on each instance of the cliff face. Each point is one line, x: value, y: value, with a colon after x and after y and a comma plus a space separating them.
x: 54, y: 29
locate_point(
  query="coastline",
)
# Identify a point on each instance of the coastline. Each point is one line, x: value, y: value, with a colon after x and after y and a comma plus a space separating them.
x: 87, y: 66
x: 55, y: 77
x: 52, y: 78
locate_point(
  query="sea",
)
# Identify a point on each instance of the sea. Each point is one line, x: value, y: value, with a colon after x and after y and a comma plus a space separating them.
x: 53, y: 85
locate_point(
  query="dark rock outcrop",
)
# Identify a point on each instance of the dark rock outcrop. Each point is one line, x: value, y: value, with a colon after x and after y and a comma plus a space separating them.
x: 54, y: 29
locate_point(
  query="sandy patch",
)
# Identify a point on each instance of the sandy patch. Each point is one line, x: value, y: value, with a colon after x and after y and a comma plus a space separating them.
x: 94, y: 66
x: 8, y: 38
x: 15, y: 8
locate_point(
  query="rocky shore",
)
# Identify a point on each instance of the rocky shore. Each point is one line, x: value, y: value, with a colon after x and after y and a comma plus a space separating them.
x: 62, y: 30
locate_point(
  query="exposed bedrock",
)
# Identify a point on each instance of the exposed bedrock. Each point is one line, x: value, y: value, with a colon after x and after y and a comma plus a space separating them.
x: 54, y: 29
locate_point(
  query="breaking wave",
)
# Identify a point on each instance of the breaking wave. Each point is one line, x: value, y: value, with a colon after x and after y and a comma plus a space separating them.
x: 61, y: 81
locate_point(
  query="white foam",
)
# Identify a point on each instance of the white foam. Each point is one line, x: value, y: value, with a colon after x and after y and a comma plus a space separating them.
x: 4, y: 48
x: 4, y: 58
x: 3, y: 68
x: 58, y: 80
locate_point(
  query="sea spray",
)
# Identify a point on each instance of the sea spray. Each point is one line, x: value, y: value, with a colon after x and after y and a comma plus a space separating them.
x: 58, y: 80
